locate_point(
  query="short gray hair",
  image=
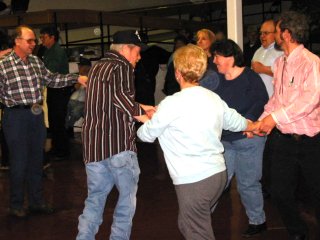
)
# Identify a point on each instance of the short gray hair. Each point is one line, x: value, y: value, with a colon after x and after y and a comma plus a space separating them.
x: 119, y: 47
x: 297, y: 24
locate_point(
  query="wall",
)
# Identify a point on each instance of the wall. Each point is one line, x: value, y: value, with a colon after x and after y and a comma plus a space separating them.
x: 104, y: 5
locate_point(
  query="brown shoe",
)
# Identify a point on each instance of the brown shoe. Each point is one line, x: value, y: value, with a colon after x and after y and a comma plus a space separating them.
x: 18, y: 213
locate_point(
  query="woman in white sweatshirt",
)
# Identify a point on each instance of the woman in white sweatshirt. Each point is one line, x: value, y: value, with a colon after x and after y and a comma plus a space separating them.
x: 189, y: 125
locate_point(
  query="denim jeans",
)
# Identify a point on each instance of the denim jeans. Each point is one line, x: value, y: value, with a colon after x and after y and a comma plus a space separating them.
x: 74, y: 112
x: 244, y: 160
x: 121, y: 170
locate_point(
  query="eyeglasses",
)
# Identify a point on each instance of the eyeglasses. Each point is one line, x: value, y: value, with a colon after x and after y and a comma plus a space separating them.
x: 265, y: 33
x: 29, y: 41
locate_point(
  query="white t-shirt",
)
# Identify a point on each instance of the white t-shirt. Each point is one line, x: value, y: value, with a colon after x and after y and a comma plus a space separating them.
x: 267, y: 57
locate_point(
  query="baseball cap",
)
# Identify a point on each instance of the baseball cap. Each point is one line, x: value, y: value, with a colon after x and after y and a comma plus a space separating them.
x: 128, y: 37
x: 84, y: 62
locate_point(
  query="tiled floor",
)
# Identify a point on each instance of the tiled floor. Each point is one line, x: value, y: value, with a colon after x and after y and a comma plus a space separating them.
x: 156, y: 215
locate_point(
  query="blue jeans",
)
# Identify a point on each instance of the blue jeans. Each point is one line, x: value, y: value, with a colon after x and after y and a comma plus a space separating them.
x: 244, y: 160
x: 74, y: 112
x: 121, y: 170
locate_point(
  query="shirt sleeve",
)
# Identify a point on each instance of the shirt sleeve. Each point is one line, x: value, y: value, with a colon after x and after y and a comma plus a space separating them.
x: 165, y: 114
x: 269, y: 107
x: 124, y: 92
x: 232, y: 120
x: 54, y: 80
x: 306, y: 98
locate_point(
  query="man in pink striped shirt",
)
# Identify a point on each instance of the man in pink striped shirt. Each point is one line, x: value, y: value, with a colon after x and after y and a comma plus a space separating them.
x: 294, y: 109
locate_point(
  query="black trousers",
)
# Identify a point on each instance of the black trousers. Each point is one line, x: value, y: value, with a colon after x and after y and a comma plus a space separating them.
x: 291, y: 158
x: 57, y: 100
x: 4, y: 150
x: 25, y: 135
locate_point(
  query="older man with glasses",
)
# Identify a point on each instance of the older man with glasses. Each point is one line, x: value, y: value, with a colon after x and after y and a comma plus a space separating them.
x: 22, y: 79
x: 265, y: 56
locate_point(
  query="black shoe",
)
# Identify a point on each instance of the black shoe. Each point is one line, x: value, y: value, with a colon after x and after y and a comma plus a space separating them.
x: 18, y: 213
x: 42, y: 209
x: 298, y: 237
x: 59, y: 157
x: 254, y: 230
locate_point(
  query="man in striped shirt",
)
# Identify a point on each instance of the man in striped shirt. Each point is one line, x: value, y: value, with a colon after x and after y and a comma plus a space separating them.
x: 109, y: 148
x: 294, y: 110
x: 22, y: 79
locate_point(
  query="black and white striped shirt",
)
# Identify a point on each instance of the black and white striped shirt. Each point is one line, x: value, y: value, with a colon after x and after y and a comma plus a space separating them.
x: 108, y: 127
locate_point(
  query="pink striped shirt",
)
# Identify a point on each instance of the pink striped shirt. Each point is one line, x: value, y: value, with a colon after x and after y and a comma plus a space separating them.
x: 295, y: 104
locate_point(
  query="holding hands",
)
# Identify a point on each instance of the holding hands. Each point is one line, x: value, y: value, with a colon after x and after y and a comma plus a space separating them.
x: 149, y: 110
x: 260, y: 128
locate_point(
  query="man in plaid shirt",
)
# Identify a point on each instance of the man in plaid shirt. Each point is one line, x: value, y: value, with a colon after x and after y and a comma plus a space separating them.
x: 22, y: 78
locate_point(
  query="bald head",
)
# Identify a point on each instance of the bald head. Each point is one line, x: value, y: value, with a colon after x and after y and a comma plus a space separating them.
x: 267, y: 33
x: 24, y: 41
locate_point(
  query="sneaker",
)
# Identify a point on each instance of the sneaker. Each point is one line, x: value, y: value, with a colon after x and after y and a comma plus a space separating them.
x: 254, y: 230
x: 18, y: 213
x: 42, y: 209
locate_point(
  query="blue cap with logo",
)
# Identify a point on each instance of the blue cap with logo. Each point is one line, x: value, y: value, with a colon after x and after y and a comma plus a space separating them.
x: 128, y: 37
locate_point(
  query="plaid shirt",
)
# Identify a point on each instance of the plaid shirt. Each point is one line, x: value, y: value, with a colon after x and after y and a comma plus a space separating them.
x: 21, y: 83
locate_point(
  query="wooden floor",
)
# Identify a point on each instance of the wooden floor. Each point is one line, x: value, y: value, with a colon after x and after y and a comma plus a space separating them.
x: 156, y: 214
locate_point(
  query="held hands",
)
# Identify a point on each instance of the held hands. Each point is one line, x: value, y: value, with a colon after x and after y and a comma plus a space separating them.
x: 260, y: 128
x: 266, y: 125
x: 142, y: 118
x: 149, y: 110
x: 251, y: 128
x: 83, y: 80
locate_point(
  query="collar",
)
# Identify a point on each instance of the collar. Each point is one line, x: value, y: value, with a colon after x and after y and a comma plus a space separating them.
x: 295, y: 53
x: 16, y: 58
x: 270, y: 46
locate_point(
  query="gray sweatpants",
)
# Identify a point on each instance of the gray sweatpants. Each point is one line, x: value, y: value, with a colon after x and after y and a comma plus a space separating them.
x: 195, y: 201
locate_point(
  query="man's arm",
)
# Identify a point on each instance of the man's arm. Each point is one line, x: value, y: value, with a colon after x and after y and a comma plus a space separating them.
x: 4, y: 52
x: 258, y: 67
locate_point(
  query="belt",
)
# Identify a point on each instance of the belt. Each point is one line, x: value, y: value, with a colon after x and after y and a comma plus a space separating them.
x: 293, y: 136
x: 35, y: 108
x: 20, y: 107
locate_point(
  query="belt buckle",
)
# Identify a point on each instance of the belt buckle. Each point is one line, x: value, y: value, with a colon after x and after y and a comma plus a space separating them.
x: 296, y: 137
x: 36, y: 109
